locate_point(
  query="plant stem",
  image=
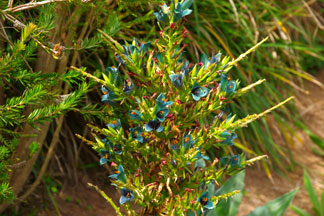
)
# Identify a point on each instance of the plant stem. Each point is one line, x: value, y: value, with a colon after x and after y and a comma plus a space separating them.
x: 104, y: 195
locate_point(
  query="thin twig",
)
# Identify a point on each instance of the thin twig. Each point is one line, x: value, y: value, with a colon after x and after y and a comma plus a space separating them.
x: 10, y: 3
x: 235, y: 11
x: 31, y: 5
x: 47, y: 159
x: 104, y: 195
x: 319, y: 24
x: 289, y: 16
x: 247, y: 52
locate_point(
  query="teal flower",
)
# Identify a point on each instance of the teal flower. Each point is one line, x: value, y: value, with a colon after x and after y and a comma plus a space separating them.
x: 177, y: 80
x: 230, y: 160
x: 144, y: 47
x: 161, y: 101
x: 117, y: 149
x: 119, y: 174
x: 116, y: 125
x: 129, y: 49
x: 128, y: 86
x: 187, y: 142
x: 229, y: 137
x: 161, y: 114
x: 115, y: 75
x: 173, y: 162
x: 227, y: 85
x: 205, y: 202
x: 199, y: 155
x: 175, y: 146
x: 202, y: 186
x: 182, y: 10
x: 200, y: 163
x: 127, y: 195
x: 153, y: 125
x: 137, y: 134
x: 198, y: 92
x: 162, y: 15
x: 206, y: 61
x: 159, y: 57
x: 136, y: 46
x: 107, y: 143
x: 223, y: 82
x: 230, y: 87
x: 105, y: 156
x: 134, y: 114
x: 108, y: 97
x: 186, y: 68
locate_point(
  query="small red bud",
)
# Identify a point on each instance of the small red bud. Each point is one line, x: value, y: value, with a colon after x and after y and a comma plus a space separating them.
x: 215, y: 161
x: 161, y: 33
x: 163, y: 162
x: 137, y: 173
x: 200, y: 64
x: 170, y: 115
x: 172, y: 25
x: 222, y: 98
x: 184, y: 31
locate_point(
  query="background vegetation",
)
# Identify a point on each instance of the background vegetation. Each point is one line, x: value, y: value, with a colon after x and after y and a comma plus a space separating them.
x: 41, y: 41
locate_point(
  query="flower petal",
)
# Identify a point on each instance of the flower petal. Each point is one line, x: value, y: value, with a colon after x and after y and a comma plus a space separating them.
x: 123, y: 200
x: 103, y: 160
x: 148, y: 128
x: 159, y: 129
x: 114, y: 176
x: 210, y: 205
x: 134, y: 114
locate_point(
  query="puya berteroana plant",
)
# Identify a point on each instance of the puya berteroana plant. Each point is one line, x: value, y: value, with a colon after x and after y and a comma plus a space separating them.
x: 166, y: 113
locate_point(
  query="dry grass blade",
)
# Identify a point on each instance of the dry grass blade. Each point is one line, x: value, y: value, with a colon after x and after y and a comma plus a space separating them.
x: 109, y: 200
x: 31, y: 5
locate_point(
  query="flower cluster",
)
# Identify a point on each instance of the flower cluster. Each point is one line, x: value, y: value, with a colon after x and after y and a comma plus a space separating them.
x: 170, y: 126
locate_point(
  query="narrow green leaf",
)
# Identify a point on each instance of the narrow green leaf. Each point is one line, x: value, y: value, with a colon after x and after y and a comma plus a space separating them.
x: 276, y: 207
x: 299, y: 211
x: 230, y: 207
x: 311, y: 192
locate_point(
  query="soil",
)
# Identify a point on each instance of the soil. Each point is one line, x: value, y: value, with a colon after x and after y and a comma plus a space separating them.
x: 260, y: 189
x: 81, y: 200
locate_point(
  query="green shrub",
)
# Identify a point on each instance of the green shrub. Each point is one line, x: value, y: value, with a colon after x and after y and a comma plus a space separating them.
x: 166, y: 114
